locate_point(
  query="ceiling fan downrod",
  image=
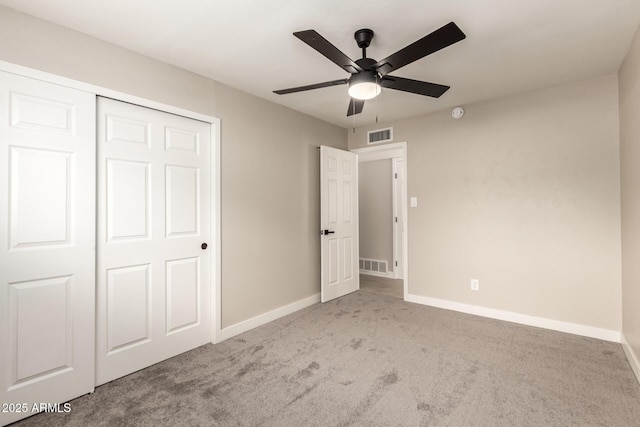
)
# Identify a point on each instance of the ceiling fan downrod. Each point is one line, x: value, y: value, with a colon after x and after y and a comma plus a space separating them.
x: 363, y: 39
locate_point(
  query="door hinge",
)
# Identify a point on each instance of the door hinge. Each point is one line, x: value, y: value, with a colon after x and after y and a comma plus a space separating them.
x: 396, y: 219
x: 396, y: 176
x: 396, y: 263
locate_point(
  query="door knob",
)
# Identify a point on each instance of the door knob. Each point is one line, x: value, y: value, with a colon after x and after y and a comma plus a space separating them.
x: 325, y: 232
x: 203, y: 246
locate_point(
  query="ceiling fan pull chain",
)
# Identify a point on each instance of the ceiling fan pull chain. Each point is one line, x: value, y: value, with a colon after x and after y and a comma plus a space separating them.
x: 377, y: 97
x: 354, y: 117
x: 354, y: 114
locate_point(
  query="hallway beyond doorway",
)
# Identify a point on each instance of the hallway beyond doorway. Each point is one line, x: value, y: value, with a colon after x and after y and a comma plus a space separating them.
x: 382, y: 286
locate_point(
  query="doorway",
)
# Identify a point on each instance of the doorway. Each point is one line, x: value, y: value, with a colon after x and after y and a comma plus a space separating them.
x: 383, y: 219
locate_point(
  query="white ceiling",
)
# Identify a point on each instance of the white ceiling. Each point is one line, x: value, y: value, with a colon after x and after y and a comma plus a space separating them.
x: 511, y: 46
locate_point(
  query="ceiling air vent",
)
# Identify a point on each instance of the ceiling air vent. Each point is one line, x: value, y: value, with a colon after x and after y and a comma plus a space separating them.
x: 380, y: 135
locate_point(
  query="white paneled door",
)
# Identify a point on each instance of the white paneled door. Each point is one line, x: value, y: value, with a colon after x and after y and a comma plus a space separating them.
x: 153, y: 230
x: 339, y: 245
x: 47, y: 253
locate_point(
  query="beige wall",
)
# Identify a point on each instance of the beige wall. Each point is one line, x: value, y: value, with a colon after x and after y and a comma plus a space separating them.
x: 35, y: 43
x: 270, y: 184
x: 523, y: 194
x: 629, y: 86
x: 270, y: 203
x: 376, y: 210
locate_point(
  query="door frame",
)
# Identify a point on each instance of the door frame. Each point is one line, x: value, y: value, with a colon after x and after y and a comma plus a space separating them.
x: 398, y: 199
x: 391, y: 151
x: 215, y: 256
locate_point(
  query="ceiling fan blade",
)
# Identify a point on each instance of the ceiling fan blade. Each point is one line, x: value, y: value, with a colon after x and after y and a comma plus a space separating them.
x: 439, y: 39
x: 414, y: 86
x: 322, y: 45
x: 310, y: 87
x: 355, y: 106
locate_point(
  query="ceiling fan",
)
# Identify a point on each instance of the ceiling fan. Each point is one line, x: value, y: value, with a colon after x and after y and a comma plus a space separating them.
x: 369, y: 76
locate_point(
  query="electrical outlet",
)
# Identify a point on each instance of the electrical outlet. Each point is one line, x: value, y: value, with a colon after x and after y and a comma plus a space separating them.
x: 475, y: 285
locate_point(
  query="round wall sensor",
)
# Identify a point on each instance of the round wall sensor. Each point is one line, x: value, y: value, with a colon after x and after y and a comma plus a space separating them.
x: 457, y: 112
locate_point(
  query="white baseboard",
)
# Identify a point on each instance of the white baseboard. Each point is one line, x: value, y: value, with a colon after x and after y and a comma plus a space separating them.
x: 509, y: 316
x: 388, y: 275
x: 262, y: 319
x: 634, y: 361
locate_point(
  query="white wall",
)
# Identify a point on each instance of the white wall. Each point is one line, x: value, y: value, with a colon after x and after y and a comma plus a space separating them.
x: 523, y: 194
x: 270, y: 173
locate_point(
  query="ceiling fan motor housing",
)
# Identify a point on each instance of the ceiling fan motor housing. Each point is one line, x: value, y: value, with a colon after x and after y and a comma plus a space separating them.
x: 367, y: 76
x: 366, y: 64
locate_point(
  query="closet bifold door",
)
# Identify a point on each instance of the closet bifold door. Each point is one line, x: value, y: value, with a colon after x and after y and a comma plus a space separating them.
x: 154, y: 209
x: 47, y: 246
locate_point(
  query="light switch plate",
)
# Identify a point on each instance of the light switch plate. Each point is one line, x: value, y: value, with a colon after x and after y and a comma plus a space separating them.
x: 414, y: 202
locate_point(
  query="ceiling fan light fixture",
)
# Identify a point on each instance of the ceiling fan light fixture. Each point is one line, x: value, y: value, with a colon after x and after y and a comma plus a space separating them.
x: 368, y: 75
x: 364, y: 85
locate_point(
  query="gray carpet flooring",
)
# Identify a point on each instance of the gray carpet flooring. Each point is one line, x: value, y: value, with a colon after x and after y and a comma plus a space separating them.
x: 371, y: 360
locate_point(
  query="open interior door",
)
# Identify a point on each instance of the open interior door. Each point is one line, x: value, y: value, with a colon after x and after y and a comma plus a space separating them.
x: 338, y: 223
